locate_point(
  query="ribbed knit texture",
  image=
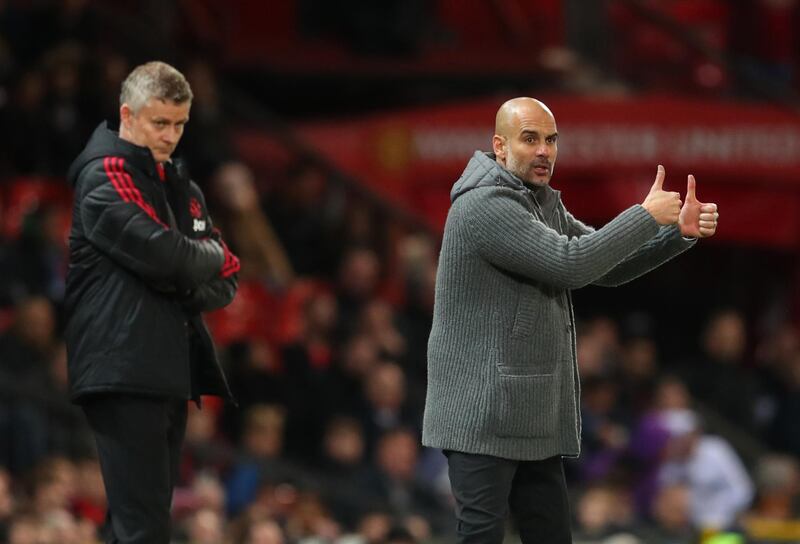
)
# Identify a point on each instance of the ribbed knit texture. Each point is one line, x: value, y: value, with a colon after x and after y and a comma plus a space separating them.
x: 502, y: 372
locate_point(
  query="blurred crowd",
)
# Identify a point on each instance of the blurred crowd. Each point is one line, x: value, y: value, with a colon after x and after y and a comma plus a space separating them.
x: 325, y: 347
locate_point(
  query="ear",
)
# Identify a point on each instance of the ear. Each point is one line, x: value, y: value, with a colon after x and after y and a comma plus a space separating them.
x: 499, y: 147
x: 125, y: 115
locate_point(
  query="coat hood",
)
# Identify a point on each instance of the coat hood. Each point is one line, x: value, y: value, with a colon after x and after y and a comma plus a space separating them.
x: 483, y: 171
x: 106, y: 142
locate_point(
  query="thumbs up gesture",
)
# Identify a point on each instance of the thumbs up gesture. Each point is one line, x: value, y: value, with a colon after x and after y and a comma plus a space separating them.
x: 664, y: 206
x: 697, y: 220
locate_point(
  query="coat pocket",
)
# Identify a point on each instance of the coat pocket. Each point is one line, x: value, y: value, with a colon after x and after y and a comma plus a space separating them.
x: 527, y: 405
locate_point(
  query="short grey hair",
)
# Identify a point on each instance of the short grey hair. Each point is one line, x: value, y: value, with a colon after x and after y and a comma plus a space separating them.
x: 154, y: 79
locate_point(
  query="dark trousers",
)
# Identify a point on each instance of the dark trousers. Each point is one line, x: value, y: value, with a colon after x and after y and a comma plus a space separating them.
x: 138, y: 442
x: 485, y: 487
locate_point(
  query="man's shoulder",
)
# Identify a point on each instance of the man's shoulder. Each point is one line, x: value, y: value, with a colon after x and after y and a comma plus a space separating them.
x: 489, y: 200
x: 488, y: 194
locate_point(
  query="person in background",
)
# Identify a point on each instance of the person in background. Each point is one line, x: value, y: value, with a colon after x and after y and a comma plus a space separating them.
x: 719, y: 487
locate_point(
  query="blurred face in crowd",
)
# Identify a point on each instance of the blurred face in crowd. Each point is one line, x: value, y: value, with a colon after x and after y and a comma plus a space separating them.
x: 265, y: 532
x: 526, y: 140
x: 344, y: 442
x: 359, y: 273
x: 397, y: 455
x: 24, y: 530
x: 386, y: 387
x: 206, y: 527
x: 596, y: 510
x: 36, y: 322
x: 6, y: 498
x: 158, y: 126
x: 726, y: 337
x: 671, y: 508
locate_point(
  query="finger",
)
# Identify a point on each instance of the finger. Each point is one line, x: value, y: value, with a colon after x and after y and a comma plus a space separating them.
x: 660, y: 175
x: 690, y: 189
x: 709, y: 216
x: 707, y: 224
x: 705, y: 231
x: 710, y: 207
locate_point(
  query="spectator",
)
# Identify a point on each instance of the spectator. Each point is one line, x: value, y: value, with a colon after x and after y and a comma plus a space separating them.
x: 257, y: 376
x: 387, y: 407
x: 25, y: 529
x: 262, y: 442
x: 208, y: 144
x: 784, y: 430
x: 264, y: 531
x: 777, y: 488
x: 394, y: 486
x: 29, y: 151
x: 248, y: 228
x: 720, y: 488
x: 671, y: 514
x: 638, y: 369
x: 203, y: 449
x: 649, y: 439
x: 65, y: 109
x: 357, y: 358
x: 34, y: 264
x: 721, y: 379
x: 89, y: 501
x: 309, y: 368
x: 7, y: 504
x: 24, y: 359
x: 205, y: 526
x: 54, y: 485
x: 603, y: 434
x: 377, y: 321
x: 359, y: 273
x: 300, y: 223
x: 341, y: 469
x: 603, y: 514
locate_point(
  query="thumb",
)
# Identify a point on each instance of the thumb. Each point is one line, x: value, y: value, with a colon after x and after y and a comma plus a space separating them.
x: 690, y: 189
x: 659, y: 183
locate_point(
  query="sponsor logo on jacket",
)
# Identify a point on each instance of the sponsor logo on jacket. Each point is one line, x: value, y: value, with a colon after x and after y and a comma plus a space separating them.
x: 196, y: 211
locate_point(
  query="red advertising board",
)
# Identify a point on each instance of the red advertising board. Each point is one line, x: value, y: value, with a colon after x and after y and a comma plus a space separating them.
x: 746, y: 157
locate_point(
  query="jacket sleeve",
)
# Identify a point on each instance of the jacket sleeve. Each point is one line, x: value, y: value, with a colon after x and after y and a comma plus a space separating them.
x: 118, y: 218
x: 507, y: 235
x: 219, y: 291
x: 668, y: 243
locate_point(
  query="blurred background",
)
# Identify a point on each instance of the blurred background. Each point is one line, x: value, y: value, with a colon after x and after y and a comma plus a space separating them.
x: 326, y: 136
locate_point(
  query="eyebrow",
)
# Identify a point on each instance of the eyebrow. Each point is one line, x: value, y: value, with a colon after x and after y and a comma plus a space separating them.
x: 536, y: 133
x: 165, y: 120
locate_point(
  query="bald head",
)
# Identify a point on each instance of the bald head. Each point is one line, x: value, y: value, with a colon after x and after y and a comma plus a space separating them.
x: 506, y: 122
x: 525, y: 138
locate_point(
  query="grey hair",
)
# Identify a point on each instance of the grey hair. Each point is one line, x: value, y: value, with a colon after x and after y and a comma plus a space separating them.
x: 154, y: 80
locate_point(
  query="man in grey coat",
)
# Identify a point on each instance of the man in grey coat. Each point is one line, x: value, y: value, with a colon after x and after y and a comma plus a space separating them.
x: 503, y: 390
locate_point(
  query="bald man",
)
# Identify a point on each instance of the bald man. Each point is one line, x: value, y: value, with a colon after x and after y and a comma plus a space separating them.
x: 503, y: 398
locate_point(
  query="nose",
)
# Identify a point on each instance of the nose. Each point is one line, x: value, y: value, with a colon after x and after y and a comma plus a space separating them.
x: 543, y: 150
x: 170, y: 136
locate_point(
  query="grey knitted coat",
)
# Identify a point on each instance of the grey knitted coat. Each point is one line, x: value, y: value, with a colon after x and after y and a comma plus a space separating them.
x: 502, y: 370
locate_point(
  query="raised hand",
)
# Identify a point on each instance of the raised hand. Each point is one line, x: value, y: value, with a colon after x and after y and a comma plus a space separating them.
x: 664, y: 206
x: 697, y: 220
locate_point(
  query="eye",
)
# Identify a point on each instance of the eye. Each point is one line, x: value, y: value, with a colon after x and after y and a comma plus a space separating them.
x: 529, y: 139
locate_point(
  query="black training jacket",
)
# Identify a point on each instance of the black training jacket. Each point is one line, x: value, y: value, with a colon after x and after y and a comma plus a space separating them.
x: 144, y: 263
